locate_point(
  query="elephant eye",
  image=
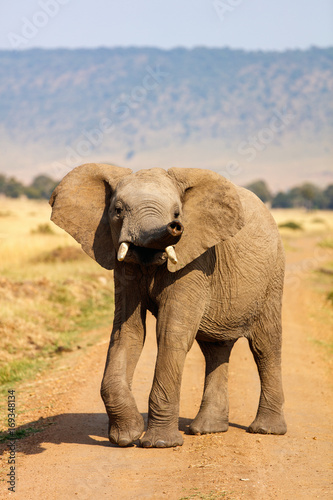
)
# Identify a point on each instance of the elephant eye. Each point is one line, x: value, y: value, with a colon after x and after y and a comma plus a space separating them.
x: 176, y: 214
x: 118, y: 208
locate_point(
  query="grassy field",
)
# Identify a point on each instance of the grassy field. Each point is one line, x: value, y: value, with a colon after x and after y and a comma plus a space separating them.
x: 310, y: 222
x: 51, y: 292
x: 311, y: 233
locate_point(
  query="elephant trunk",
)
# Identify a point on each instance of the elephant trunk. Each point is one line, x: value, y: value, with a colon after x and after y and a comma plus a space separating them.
x: 169, y: 235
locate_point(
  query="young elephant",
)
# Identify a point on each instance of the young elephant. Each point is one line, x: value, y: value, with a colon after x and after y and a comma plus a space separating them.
x: 205, y: 257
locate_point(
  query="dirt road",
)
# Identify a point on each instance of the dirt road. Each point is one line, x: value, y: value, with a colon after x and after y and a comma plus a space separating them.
x: 73, y: 459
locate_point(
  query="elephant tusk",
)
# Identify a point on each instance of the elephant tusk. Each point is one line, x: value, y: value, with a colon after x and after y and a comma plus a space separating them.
x: 123, y: 249
x: 170, y: 251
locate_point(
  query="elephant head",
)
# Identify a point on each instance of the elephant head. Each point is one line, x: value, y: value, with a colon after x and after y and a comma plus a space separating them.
x: 146, y: 217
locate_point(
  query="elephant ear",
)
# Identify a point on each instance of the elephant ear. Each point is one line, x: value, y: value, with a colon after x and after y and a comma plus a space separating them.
x: 212, y: 212
x: 80, y: 206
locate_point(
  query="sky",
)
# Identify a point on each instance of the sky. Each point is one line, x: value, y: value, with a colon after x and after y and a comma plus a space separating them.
x: 245, y: 24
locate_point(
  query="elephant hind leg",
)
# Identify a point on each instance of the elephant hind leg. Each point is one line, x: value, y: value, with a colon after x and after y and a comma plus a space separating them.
x: 265, y: 344
x: 213, y: 415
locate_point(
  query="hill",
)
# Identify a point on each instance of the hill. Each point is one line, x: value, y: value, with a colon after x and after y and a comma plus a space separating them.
x: 245, y: 114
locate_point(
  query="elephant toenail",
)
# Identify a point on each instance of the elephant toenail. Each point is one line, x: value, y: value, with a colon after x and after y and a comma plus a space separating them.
x: 124, y: 442
x: 146, y: 444
x: 160, y: 444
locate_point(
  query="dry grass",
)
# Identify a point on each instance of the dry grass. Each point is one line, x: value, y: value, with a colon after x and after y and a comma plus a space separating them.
x: 19, y: 239
x: 315, y: 240
x: 50, y: 291
x: 313, y: 222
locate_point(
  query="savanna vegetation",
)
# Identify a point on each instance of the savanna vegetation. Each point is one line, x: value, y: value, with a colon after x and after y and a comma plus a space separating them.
x: 51, y: 293
x: 302, y: 229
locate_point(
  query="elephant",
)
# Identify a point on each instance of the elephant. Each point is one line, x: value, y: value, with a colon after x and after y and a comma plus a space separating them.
x: 205, y: 257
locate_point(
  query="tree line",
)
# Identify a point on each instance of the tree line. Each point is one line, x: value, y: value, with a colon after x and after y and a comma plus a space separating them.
x: 306, y: 195
x: 40, y: 188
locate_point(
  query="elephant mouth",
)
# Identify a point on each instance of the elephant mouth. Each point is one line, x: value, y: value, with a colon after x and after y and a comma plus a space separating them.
x: 145, y: 256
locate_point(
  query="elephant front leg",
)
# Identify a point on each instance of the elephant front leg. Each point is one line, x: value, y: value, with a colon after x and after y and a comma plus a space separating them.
x: 163, y: 416
x: 175, y: 336
x: 181, y: 307
x: 128, y: 335
x: 126, y: 424
x: 213, y: 415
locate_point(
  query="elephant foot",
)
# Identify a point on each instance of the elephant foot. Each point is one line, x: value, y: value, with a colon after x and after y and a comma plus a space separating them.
x: 268, y: 424
x: 206, y: 423
x: 161, y: 438
x: 124, y: 433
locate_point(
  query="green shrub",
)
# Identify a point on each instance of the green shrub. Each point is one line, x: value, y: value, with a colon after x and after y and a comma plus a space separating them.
x: 291, y: 225
x: 43, y: 229
x: 330, y: 296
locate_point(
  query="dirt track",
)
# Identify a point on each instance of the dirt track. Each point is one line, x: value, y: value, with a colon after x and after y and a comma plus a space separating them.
x: 73, y: 458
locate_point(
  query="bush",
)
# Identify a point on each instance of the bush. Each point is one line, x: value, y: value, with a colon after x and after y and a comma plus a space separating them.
x: 330, y: 297
x: 43, y: 229
x: 291, y: 225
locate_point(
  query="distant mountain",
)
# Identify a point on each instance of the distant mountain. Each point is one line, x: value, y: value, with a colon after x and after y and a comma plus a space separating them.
x: 246, y: 114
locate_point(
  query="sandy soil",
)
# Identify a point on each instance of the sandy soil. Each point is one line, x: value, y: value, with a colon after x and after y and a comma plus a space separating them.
x: 72, y: 458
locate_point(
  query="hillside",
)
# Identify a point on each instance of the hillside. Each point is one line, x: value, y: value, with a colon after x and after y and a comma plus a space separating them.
x: 269, y: 114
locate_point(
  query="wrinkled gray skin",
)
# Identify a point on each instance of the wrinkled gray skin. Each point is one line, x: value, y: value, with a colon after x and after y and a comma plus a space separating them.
x: 226, y: 284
